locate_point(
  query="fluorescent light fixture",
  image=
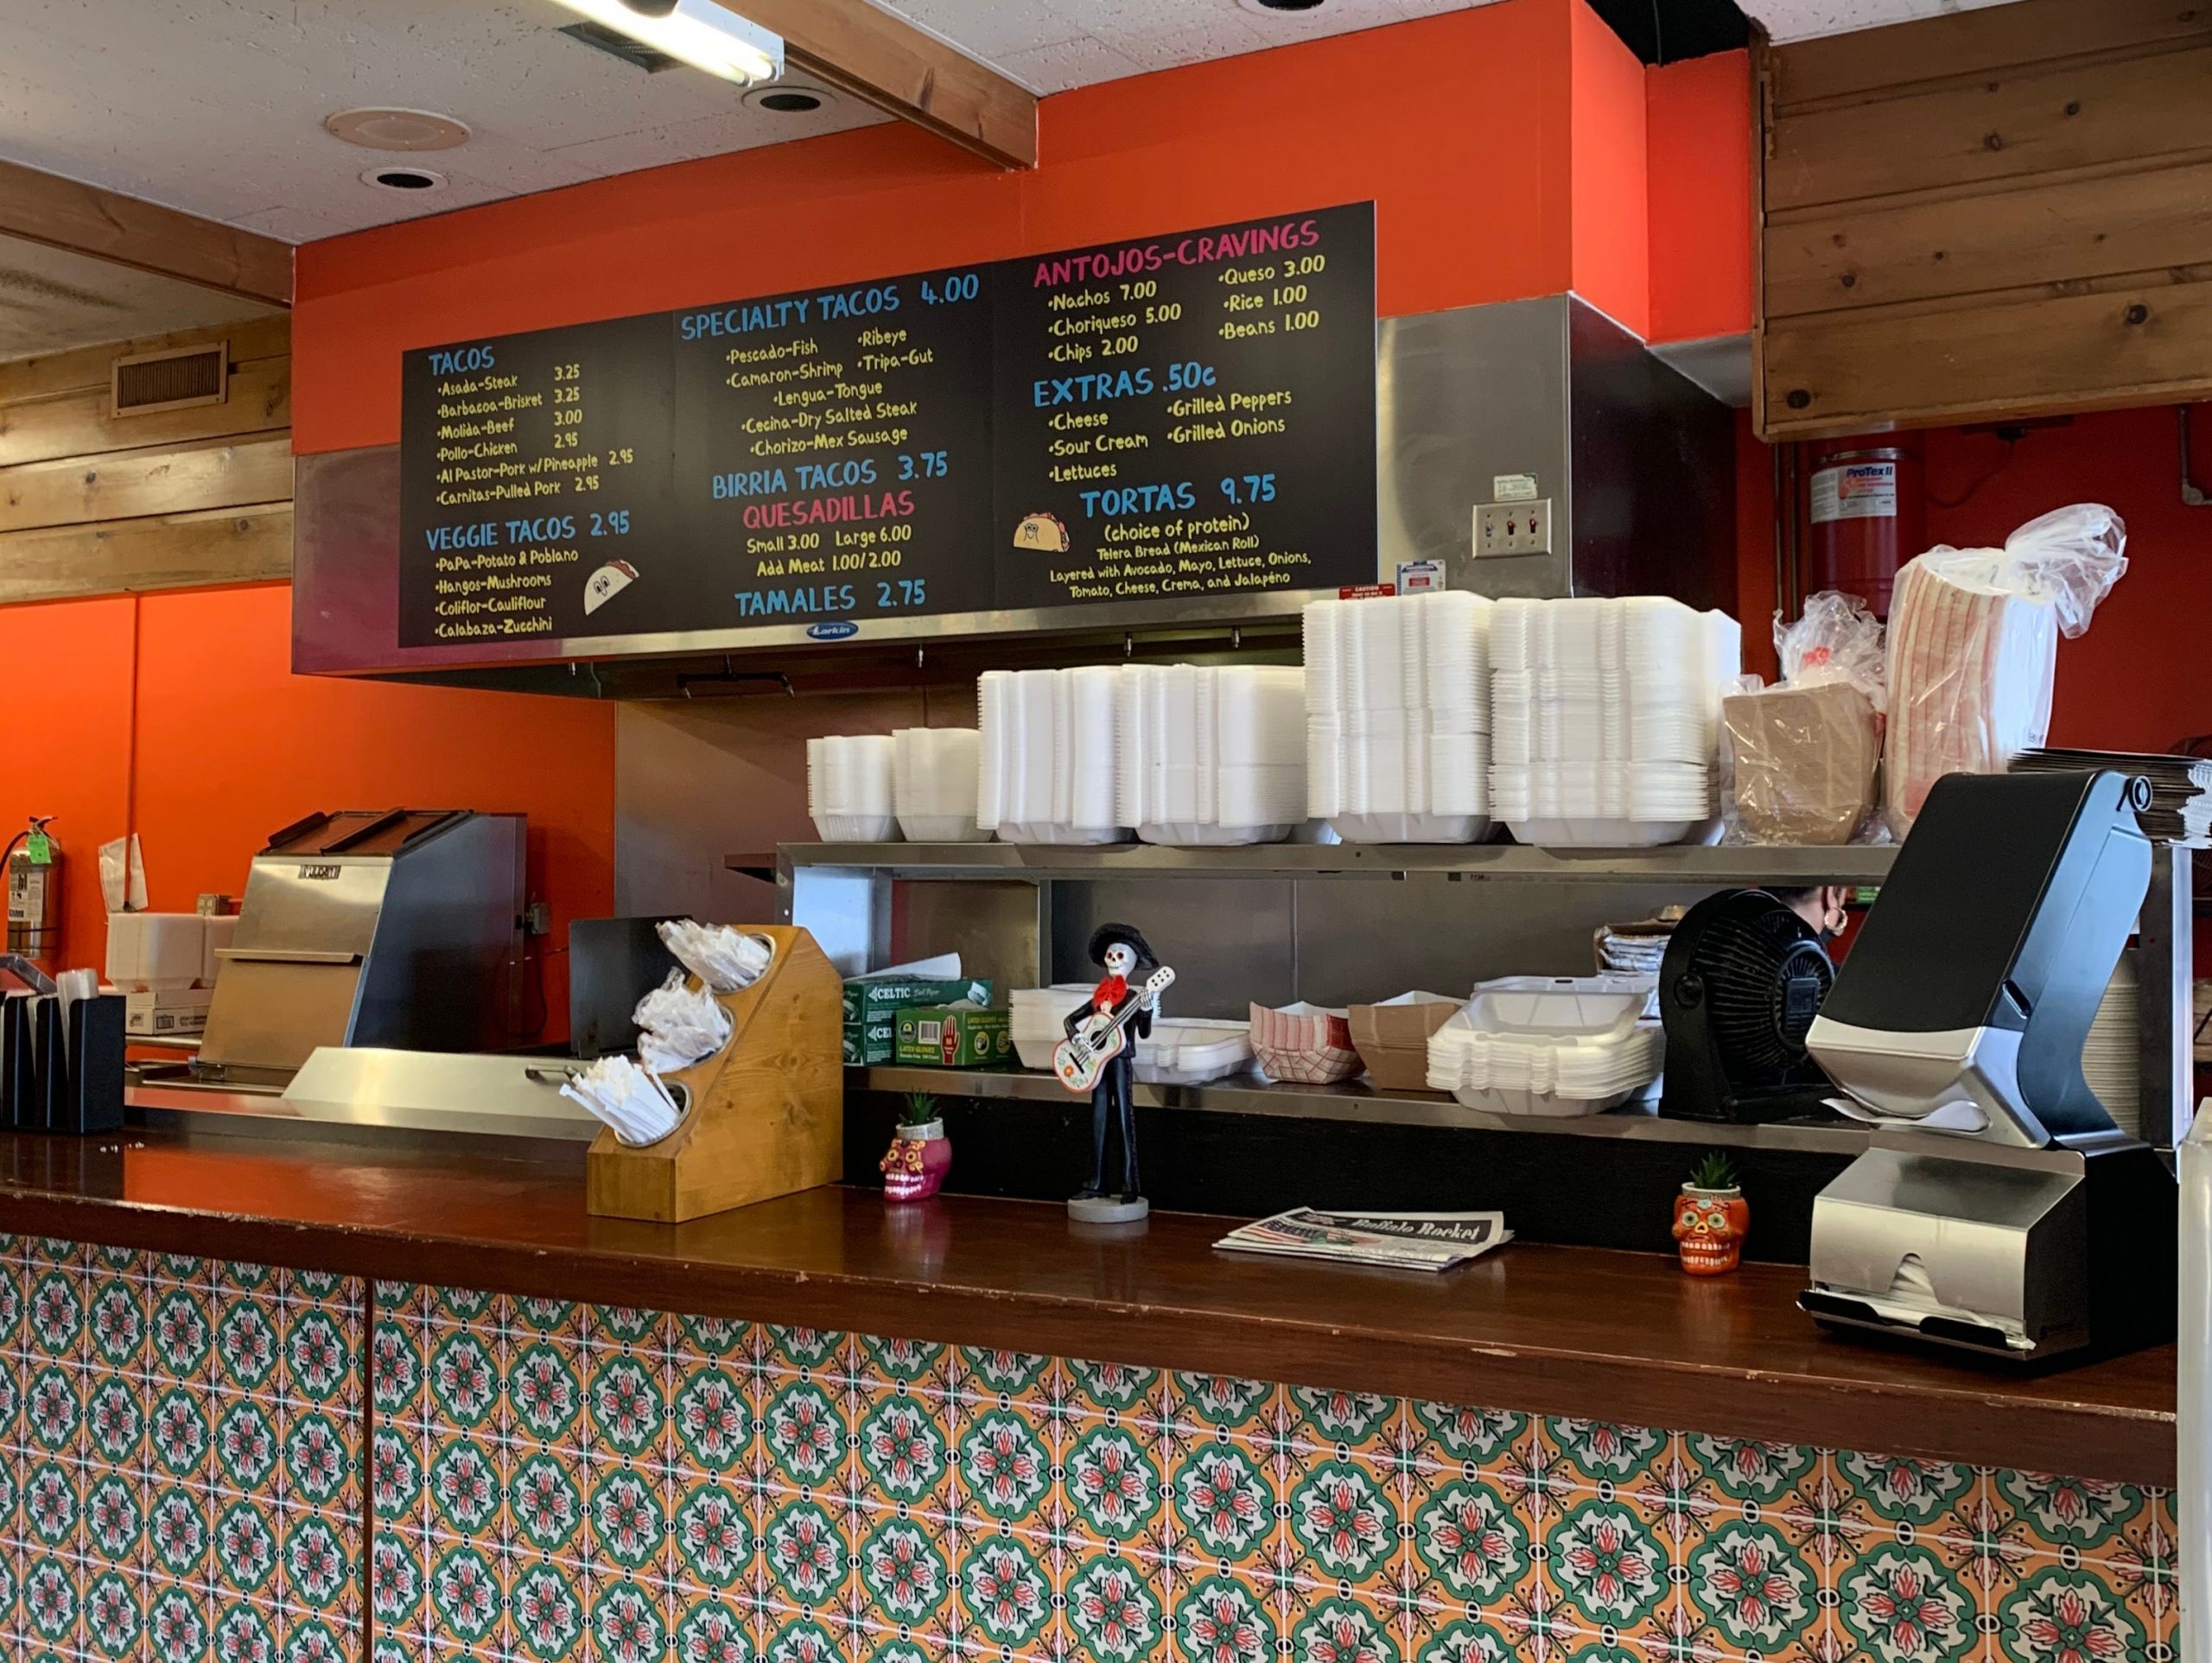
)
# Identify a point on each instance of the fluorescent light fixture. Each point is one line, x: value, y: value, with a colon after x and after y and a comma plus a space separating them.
x: 698, y: 32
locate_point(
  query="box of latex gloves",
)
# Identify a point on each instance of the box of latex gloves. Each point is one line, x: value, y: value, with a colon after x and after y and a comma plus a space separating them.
x: 962, y: 1035
x: 873, y: 1001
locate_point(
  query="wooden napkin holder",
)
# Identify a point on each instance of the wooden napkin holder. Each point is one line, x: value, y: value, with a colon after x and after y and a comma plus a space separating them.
x: 766, y: 1114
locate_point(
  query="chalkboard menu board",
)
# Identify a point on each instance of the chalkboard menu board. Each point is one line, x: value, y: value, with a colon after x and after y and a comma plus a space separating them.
x: 1190, y: 414
x: 1184, y: 417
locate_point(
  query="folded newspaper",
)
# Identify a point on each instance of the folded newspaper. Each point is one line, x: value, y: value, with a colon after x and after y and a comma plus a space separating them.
x: 1401, y: 1241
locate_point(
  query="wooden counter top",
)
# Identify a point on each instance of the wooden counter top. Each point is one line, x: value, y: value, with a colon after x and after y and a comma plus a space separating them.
x: 1559, y: 1330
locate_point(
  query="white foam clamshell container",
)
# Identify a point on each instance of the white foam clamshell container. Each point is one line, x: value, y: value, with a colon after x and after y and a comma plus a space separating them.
x: 933, y: 783
x: 1397, y: 717
x: 1605, y: 719
x: 848, y: 787
x: 1180, y: 1052
x: 1046, y: 768
x: 1209, y: 755
x: 1561, y: 1047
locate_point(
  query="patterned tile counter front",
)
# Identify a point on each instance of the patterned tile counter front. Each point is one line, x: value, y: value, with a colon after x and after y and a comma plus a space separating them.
x: 183, y: 1446
x: 556, y: 1482
x: 180, y: 1458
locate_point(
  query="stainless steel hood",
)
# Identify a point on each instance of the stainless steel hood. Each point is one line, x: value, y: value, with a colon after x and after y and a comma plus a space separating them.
x: 1633, y: 462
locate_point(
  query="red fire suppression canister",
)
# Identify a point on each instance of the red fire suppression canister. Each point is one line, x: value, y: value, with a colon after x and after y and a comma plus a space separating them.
x: 1869, y: 515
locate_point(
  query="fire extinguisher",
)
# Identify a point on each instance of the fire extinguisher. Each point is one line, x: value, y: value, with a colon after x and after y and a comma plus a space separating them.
x: 1869, y: 515
x: 33, y: 863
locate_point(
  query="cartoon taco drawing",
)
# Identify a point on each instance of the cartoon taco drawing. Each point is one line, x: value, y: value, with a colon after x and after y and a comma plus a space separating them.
x: 1043, y: 533
x: 609, y: 580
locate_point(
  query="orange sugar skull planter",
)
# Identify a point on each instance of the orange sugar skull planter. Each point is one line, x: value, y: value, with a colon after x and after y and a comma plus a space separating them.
x: 1711, y: 1218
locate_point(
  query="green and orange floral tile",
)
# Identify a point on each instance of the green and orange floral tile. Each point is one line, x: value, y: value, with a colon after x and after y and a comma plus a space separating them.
x: 177, y: 1486
x: 183, y: 1476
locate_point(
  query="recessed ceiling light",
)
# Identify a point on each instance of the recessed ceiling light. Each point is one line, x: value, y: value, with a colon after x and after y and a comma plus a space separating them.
x: 380, y: 129
x: 1280, y: 8
x: 403, y: 179
x: 786, y: 99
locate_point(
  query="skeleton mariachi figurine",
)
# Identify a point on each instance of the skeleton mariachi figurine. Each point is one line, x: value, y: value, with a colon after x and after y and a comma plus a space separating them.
x: 1099, y: 1055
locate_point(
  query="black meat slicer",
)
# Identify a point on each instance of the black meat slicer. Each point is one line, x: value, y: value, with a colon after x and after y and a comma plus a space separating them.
x: 2000, y: 1209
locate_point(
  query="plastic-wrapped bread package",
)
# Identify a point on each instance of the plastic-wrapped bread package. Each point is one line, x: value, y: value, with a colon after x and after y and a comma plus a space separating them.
x: 1973, y: 647
x: 1802, y: 753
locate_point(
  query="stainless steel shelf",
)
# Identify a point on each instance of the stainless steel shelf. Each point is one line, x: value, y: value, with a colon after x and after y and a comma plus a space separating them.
x: 1468, y: 862
x: 1360, y: 1104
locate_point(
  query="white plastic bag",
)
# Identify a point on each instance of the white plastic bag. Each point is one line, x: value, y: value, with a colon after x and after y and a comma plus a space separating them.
x: 1973, y: 646
x: 631, y: 1100
x: 725, y: 959
x: 1838, y: 639
x: 679, y: 1025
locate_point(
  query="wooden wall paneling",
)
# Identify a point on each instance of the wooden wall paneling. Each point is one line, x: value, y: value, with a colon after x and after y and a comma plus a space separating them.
x: 2056, y: 232
x: 2005, y: 212
x: 91, y: 503
x: 158, y: 479
x: 79, y: 423
x: 85, y: 367
x: 68, y: 213
x: 2023, y: 122
x: 2132, y: 345
x: 172, y: 551
x: 1873, y: 62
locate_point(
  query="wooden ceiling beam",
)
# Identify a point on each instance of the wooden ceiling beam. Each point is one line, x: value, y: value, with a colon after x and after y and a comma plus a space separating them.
x: 64, y: 214
x: 857, y: 47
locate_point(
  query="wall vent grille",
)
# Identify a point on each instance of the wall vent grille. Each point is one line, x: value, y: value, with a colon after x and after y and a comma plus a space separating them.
x: 185, y: 376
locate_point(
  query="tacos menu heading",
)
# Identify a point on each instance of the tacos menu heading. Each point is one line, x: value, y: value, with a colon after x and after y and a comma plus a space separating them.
x: 1172, y: 417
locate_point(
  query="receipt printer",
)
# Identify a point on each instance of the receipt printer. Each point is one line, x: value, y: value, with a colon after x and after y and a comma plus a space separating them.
x: 2000, y: 1209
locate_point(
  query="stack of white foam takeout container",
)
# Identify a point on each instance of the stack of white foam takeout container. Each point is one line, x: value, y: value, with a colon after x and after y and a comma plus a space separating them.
x: 933, y: 783
x: 1046, y: 768
x: 1178, y: 753
x: 1211, y: 755
x: 1550, y: 1045
x: 848, y: 787
x: 1397, y: 717
x: 1604, y: 718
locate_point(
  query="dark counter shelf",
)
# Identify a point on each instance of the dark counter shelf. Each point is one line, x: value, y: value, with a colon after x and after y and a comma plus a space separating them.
x: 1559, y: 1330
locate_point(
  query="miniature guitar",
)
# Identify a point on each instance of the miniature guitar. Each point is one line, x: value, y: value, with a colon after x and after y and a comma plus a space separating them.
x: 1080, y: 1058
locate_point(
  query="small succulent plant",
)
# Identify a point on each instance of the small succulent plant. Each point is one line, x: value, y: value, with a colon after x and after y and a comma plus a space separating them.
x: 919, y: 1110
x: 1714, y: 1172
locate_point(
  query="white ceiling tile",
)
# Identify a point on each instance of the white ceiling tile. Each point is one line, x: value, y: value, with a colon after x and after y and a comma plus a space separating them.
x: 652, y: 147
x: 987, y: 28
x: 1066, y: 64
x: 217, y: 106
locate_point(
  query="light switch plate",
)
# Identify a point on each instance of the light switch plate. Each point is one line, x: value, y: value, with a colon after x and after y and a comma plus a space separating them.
x: 1513, y: 527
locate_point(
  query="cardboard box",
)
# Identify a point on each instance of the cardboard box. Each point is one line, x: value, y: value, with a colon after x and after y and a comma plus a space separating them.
x: 962, y: 1036
x: 1392, y: 1038
x: 873, y: 1004
x: 165, y: 1013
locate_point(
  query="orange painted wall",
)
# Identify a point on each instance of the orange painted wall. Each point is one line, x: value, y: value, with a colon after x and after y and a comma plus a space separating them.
x: 1698, y: 142
x: 1457, y: 126
x: 67, y: 749
x: 222, y: 745
x: 1610, y: 195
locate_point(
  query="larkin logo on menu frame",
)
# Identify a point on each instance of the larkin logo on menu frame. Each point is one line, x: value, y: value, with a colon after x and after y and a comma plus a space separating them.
x: 1167, y: 419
